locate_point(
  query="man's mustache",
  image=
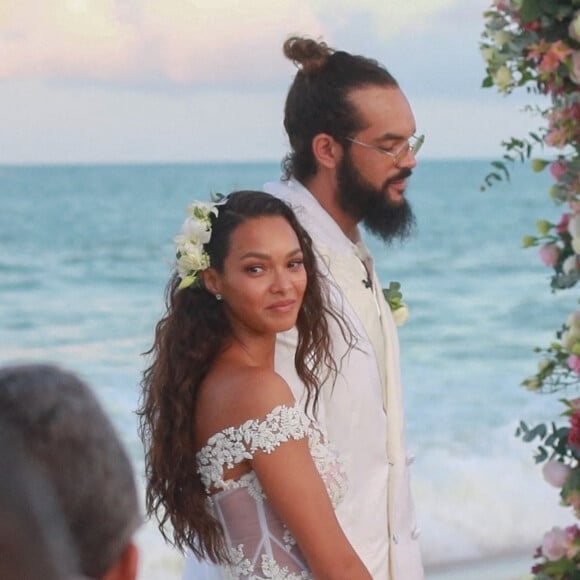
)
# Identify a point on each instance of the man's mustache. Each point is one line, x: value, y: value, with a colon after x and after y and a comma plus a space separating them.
x: 403, y: 174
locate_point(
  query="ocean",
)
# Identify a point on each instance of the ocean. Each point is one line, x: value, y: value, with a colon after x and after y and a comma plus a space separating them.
x: 85, y: 252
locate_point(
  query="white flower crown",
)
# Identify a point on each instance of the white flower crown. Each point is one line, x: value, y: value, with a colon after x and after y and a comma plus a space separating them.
x: 195, y: 232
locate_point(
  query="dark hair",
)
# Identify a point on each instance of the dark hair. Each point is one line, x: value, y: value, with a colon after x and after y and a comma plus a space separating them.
x: 318, y: 99
x: 193, y: 331
x: 66, y: 431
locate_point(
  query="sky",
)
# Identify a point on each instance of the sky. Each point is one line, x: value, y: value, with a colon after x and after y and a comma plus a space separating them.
x: 123, y: 81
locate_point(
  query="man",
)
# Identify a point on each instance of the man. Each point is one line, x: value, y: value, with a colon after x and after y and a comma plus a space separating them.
x: 352, y: 134
x: 64, y: 430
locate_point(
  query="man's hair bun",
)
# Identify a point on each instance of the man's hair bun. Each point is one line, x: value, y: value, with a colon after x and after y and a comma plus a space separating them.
x: 307, y: 54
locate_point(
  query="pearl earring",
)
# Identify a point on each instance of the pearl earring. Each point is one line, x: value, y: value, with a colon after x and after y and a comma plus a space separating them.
x: 218, y: 297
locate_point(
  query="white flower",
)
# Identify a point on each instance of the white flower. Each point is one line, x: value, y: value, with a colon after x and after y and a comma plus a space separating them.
x: 187, y: 263
x: 501, y: 37
x: 569, y: 265
x: 543, y: 364
x: 576, y: 244
x: 574, y: 226
x: 487, y: 53
x: 202, y: 209
x: 196, y: 230
x: 556, y: 473
x: 532, y: 383
x: 503, y: 78
x: 573, y: 321
x: 570, y: 337
x: 401, y: 315
x: 574, y: 27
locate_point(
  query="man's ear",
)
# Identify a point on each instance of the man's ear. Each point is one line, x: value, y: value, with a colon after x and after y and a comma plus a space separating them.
x: 125, y: 568
x: 211, y: 280
x: 326, y: 150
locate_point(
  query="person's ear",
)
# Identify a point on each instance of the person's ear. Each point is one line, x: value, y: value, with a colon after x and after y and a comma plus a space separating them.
x: 211, y: 281
x: 326, y: 150
x: 125, y: 568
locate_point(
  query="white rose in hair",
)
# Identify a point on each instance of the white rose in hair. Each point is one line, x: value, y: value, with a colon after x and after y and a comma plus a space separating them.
x: 196, y: 231
x: 189, y: 262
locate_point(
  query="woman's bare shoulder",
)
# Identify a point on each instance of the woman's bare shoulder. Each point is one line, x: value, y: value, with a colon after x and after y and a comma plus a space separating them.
x: 234, y: 395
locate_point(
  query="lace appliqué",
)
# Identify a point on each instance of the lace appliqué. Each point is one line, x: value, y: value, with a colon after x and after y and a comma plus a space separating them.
x: 276, y: 556
x: 236, y: 444
x: 270, y: 570
x: 329, y: 464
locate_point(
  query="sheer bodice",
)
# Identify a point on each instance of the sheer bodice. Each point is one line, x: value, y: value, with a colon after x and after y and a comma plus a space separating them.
x: 260, y: 545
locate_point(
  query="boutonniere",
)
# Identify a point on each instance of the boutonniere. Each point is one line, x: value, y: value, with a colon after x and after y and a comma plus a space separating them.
x: 394, y: 298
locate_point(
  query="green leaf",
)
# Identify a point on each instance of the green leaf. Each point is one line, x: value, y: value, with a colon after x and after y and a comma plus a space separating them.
x: 502, y: 167
x: 538, y: 431
x: 487, y: 82
x: 217, y: 197
x: 530, y: 11
x: 541, y: 455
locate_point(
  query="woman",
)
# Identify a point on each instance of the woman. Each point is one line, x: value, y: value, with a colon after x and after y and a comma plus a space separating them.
x: 238, y: 468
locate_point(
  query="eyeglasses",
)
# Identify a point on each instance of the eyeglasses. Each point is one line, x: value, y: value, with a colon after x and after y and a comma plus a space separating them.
x: 413, y: 144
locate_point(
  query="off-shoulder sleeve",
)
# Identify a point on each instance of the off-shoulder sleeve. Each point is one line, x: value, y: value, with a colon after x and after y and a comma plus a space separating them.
x: 234, y: 445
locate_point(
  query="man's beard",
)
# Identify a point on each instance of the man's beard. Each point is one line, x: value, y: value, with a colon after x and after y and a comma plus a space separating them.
x: 371, y: 206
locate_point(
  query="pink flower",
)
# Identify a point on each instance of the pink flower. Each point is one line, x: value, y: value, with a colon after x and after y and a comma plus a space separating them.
x: 556, y: 138
x: 549, y: 254
x: 562, y: 226
x: 575, y: 403
x: 574, y: 363
x: 556, y: 473
x: 558, y: 168
x: 554, y: 545
x: 550, y: 56
x: 535, y: 25
x: 572, y: 533
x: 574, y: 433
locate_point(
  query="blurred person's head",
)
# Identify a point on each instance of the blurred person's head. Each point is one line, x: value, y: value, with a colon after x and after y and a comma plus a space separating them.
x: 64, y: 428
x: 35, y: 543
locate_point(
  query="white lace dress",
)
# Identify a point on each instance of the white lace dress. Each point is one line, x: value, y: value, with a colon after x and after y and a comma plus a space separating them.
x: 261, y: 547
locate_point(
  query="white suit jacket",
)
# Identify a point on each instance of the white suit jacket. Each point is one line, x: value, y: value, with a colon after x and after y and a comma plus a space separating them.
x: 362, y: 412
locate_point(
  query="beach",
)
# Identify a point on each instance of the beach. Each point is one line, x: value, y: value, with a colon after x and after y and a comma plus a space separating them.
x: 512, y: 567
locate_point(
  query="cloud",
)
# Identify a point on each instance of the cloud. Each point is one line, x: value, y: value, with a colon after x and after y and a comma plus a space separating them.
x: 387, y: 18
x: 180, y: 42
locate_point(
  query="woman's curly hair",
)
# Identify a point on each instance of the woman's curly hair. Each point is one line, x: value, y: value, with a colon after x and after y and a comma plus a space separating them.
x: 188, y: 338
